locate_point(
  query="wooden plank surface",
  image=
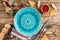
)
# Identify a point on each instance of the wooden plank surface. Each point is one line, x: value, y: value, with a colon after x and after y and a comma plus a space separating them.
x: 4, y: 18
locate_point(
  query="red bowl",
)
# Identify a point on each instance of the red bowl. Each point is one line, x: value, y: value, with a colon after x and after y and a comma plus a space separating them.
x: 45, y: 8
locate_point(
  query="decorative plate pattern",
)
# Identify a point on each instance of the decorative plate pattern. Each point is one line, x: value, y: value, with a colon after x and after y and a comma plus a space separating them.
x: 28, y: 21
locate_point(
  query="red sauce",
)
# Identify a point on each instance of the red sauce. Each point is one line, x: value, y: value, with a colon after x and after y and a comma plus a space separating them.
x: 23, y: 6
x: 45, y: 8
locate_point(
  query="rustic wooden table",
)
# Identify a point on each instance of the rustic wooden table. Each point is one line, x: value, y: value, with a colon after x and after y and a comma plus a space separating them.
x: 4, y: 18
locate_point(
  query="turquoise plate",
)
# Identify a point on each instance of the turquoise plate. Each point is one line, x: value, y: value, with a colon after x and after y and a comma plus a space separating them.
x: 28, y: 21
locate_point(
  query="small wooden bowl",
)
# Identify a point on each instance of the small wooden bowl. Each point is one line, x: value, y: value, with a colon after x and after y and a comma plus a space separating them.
x: 45, y: 8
